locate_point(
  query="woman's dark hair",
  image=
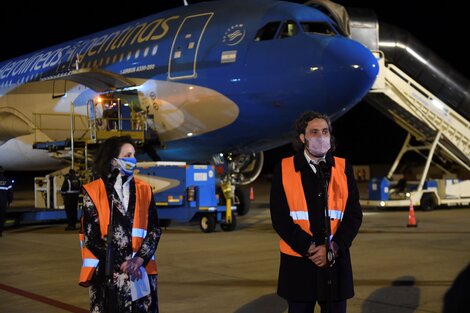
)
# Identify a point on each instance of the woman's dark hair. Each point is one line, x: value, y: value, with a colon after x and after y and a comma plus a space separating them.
x: 300, y: 126
x: 106, y: 152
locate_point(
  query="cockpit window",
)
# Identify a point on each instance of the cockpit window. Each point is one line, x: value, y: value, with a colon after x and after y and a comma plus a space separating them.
x: 268, y: 31
x: 289, y: 29
x: 318, y: 28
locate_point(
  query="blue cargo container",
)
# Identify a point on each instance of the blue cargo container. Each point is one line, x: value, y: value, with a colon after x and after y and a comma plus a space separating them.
x: 379, y: 189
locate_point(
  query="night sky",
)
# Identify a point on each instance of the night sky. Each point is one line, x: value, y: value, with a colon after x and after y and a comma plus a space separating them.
x: 363, y: 135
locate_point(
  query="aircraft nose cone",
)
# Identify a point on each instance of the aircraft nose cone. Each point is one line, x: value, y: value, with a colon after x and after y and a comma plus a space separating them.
x: 350, y: 69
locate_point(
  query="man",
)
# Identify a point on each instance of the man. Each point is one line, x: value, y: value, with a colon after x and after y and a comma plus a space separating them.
x: 6, y: 197
x: 315, y: 267
x: 99, y: 115
x: 70, y: 192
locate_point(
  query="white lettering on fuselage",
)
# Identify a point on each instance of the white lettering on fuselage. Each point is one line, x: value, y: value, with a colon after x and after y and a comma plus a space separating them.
x: 136, y: 69
x: 141, y: 32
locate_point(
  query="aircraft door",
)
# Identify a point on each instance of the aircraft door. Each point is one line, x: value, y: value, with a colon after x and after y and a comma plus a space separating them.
x: 185, y: 46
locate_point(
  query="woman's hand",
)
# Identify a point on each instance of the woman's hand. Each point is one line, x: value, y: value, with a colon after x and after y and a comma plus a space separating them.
x: 132, y: 267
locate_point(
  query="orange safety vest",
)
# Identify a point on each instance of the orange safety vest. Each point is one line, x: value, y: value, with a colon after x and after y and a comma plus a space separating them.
x: 337, y: 198
x: 97, y: 192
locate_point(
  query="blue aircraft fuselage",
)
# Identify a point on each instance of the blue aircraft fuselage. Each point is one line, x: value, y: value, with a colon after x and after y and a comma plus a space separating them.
x: 220, y: 76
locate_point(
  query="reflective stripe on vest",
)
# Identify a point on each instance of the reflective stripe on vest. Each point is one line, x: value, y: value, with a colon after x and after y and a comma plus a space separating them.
x: 337, y: 198
x: 97, y: 192
x: 89, y: 263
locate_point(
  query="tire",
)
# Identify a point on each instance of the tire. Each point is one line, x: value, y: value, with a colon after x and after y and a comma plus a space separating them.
x: 231, y: 226
x: 428, y: 202
x: 242, y: 201
x: 164, y: 222
x: 207, y: 223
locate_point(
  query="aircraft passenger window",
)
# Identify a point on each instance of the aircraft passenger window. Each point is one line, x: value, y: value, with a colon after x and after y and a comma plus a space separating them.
x: 318, y: 28
x: 289, y: 29
x: 268, y: 31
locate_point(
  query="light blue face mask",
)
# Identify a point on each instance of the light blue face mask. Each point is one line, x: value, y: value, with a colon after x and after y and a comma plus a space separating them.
x: 126, y: 165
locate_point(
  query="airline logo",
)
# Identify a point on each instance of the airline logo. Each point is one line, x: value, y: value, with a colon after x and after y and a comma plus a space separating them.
x: 234, y: 35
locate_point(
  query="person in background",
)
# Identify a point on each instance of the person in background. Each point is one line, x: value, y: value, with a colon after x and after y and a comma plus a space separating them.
x: 99, y: 115
x: 70, y: 191
x: 6, y: 197
x: 110, y: 116
x: 126, y: 248
x: 315, y: 264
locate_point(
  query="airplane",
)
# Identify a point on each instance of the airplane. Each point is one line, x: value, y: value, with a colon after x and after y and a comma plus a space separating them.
x: 218, y: 81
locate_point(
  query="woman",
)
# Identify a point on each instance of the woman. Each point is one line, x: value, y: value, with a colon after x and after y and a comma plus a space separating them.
x: 135, y: 233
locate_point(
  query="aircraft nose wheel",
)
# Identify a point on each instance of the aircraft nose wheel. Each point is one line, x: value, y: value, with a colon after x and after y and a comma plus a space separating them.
x: 231, y: 226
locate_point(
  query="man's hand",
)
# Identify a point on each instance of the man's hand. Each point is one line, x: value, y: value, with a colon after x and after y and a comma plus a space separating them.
x: 317, y: 254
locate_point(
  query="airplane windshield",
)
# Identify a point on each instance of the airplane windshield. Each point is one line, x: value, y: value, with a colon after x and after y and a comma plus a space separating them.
x: 318, y: 28
x: 268, y: 31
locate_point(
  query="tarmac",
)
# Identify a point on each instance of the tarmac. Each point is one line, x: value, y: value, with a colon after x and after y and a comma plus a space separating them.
x: 396, y: 268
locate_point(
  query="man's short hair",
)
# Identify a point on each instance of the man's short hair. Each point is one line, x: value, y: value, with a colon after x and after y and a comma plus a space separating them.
x: 302, y: 122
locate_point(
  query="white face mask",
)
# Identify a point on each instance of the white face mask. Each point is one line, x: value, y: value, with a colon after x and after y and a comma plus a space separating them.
x: 318, y: 147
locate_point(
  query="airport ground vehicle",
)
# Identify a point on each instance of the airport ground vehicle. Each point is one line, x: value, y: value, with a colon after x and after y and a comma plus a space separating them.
x: 429, y: 195
x: 183, y: 193
x: 187, y: 193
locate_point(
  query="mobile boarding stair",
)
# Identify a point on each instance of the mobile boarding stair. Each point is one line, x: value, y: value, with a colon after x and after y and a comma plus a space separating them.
x: 442, y: 132
x: 435, y: 110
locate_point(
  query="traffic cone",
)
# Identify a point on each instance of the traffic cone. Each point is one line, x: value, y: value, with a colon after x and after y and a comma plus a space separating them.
x: 252, y: 194
x: 411, y: 216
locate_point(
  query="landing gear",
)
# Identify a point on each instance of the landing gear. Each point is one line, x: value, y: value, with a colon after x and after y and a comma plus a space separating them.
x: 242, y: 201
x: 239, y: 170
x: 245, y: 168
x: 231, y: 226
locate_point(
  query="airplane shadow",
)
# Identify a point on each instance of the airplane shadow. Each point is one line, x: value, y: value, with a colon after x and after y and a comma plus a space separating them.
x: 401, y: 297
x: 270, y: 303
